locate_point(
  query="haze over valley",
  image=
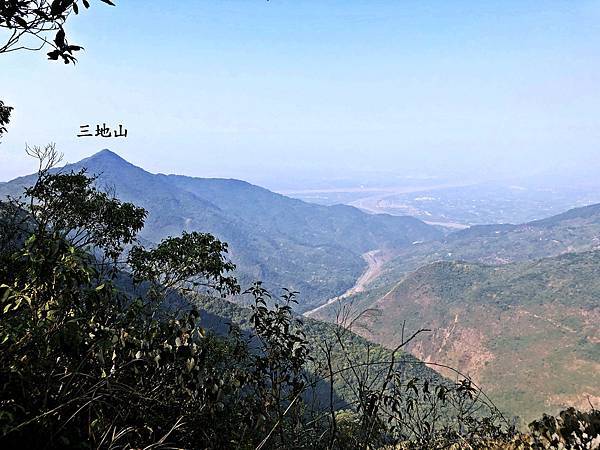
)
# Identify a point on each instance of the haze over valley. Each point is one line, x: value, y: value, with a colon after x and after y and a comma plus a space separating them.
x: 492, y: 295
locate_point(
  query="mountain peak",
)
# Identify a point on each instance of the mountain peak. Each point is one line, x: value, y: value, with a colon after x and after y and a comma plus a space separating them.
x: 106, y: 154
x: 104, y: 159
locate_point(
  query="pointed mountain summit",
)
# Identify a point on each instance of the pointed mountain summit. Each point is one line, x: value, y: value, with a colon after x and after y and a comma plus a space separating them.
x: 105, y: 154
x: 108, y: 165
x: 104, y: 159
x: 284, y: 242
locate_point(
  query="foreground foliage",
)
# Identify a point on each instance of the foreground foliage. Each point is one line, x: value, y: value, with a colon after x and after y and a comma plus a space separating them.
x: 93, y: 356
x: 29, y: 25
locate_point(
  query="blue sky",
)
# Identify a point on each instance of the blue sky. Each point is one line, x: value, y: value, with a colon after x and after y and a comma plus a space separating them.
x: 247, y: 88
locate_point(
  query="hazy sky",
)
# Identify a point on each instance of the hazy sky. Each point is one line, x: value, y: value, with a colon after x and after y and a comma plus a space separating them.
x: 243, y: 88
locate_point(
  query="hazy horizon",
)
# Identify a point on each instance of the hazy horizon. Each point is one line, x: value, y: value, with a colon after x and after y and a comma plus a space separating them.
x: 287, y: 92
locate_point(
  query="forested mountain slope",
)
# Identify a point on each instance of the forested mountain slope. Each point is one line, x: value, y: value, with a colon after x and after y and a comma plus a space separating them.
x: 516, y: 306
x: 217, y: 314
x: 529, y: 332
x: 573, y: 231
x: 282, y: 241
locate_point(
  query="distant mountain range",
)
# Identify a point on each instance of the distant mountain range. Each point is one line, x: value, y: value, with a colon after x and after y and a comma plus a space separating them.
x: 284, y: 242
x: 573, y: 231
x: 515, y: 306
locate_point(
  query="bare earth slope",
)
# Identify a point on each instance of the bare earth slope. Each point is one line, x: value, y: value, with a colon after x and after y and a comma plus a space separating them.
x: 515, y: 306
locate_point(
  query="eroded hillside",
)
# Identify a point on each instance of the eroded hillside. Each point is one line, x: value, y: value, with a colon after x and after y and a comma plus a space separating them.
x: 514, y: 306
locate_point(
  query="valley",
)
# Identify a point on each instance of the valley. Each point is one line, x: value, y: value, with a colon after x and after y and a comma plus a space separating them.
x: 375, y: 260
x: 323, y: 225
x: 284, y: 242
x: 515, y: 307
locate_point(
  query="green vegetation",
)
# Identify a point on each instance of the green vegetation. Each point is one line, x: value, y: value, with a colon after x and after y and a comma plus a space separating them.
x: 93, y: 357
x: 284, y: 242
x: 113, y: 333
x: 5, y: 112
x: 488, y: 321
x: 574, y: 231
x: 216, y: 313
x: 526, y: 331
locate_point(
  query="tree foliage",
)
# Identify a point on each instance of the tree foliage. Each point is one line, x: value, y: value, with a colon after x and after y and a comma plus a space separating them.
x: 34, y: 21
x: 5, y: 112
x: 70, y: 206
x: 185, y: 262
x: 94, y: 355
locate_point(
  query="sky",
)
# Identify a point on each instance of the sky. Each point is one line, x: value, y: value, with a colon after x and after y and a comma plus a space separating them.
x: 279, y: 90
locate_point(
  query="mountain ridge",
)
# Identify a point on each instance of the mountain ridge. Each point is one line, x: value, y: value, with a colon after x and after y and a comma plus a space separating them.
x: 541, y: 316
x: 515, y: 306
x: 284, y: 242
